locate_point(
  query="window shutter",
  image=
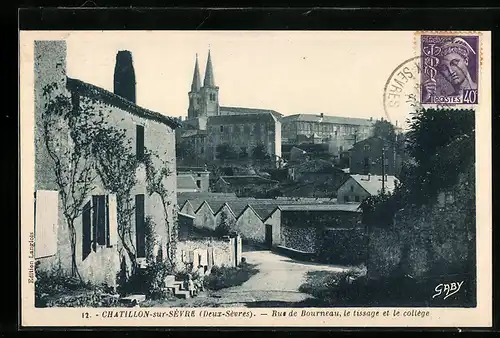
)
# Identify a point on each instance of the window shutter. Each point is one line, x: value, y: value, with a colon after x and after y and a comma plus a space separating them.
x: 46, y: 222
x: 112, y: 220
x: 100, y: 209
x: 95, y: 213
x: 140, y: 235
x: 87, y: 230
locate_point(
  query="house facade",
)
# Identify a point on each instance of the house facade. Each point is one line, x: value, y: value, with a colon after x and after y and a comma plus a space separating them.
x: 366, y: 157
x: 94, y: 246
x: 358, y: 187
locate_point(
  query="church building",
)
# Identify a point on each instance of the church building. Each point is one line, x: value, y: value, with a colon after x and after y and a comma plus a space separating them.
x: 209, y: 125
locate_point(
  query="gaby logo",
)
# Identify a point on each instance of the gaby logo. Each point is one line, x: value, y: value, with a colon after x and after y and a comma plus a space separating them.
x: 447, y: 289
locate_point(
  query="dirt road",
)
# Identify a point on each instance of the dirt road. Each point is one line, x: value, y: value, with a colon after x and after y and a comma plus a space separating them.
x: 278, y: 279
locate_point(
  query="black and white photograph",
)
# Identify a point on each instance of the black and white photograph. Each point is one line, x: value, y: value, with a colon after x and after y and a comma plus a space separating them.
x: 255, y: 175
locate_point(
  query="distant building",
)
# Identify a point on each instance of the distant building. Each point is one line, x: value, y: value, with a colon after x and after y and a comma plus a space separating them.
x: 365, y: 157
x: 209, y: 125
x: 201, y: 177
x: 240, y: 184
x: 358, y: 187
x: 339, y: 132
x: 186, y: 183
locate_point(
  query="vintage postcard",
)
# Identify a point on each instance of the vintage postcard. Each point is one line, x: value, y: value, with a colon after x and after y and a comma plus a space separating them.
x: 255, y: 178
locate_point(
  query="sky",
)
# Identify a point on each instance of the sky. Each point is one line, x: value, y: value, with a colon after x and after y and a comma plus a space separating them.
x: 338, y: 73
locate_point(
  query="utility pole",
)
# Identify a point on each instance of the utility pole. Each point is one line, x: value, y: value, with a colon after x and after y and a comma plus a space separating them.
x: 383, y: 169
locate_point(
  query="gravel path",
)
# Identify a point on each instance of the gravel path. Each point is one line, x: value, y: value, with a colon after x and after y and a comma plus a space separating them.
x: 278, y: 279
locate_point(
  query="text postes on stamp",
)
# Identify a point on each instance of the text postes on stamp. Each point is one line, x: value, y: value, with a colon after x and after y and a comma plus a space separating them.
x: 450, y: 69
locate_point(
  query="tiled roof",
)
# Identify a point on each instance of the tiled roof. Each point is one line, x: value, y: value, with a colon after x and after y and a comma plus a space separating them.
x: 263, y: 207
x: 244, y: 111
x: 240, y: 119
x: 327, y: 119
x: 247, y: 179
x: 321, y: 207
x: 186, y: 182
x: 373, y: 185
x: 112, y: 99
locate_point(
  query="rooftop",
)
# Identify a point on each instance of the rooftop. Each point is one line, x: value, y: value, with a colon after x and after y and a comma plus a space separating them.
x: 244, y: 111
x: 373, y: 183
x: 112, y: 99
x: 321, y: 207
x: 241, y: 119
x: 186, y: 182
x: 263, y: 207
x: 247, y: 179
x: 327, y: 119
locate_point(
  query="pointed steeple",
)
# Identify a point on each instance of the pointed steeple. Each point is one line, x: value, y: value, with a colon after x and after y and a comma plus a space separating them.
x: 196, y: 85
x: 209, y: 73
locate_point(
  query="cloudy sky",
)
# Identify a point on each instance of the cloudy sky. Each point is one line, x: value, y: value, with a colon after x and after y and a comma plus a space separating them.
x: 335, y: 73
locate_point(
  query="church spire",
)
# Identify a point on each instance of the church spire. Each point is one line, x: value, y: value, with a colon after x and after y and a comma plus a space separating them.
x: 209, y: 73
x: 196, y: 85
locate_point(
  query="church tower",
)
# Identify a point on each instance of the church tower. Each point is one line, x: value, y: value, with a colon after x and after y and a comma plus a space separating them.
x: 195, y: 99
x: 210, y: 92
x: 203, y: 101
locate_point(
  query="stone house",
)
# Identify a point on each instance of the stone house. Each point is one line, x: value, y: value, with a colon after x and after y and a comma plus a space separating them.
x: 247, y: 216
x: 325, y: 232
x: 365, y: 157
x: 98, y: 245
x: 358, y: 187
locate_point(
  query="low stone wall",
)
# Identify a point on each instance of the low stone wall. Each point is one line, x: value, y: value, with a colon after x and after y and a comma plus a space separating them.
x: 206, y: 253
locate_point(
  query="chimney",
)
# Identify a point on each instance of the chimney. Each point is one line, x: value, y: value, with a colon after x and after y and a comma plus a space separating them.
x: 368, y: 177
x: 371, y: 118
x: 124, y: 79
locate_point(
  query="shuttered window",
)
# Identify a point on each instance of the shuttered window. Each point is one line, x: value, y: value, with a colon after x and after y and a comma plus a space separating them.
x: 87, y: 230
x: 140, y: 233
x: 139, y: 142
x: 99, y: 223
x: 99, y: 220
x: 112, y: 235
x: 46, y: 222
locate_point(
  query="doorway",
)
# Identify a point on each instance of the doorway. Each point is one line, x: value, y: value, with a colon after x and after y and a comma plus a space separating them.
x: 269, y: 236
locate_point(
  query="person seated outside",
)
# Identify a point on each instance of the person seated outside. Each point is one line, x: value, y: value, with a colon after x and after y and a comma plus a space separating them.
x: 190, y: 286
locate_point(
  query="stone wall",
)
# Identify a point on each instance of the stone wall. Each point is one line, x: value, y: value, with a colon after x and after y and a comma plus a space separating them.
x: 250, y: 226
x: 225, y: 252
x: 309, y: 232
x: 343, y: 246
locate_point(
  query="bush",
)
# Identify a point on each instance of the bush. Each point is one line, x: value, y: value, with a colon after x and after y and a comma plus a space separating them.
x: 224, y: 277
x: 334, y: 287
x: 54, y: 288
x: 149, y: 281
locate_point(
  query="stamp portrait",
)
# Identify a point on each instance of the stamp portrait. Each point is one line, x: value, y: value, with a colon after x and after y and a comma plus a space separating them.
x: 450, y: 65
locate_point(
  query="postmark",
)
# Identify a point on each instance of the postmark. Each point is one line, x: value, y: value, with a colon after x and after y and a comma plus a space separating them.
x: 450, y: 69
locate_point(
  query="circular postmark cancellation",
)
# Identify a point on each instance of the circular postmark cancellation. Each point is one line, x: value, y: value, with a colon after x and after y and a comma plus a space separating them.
x: 402, y: 92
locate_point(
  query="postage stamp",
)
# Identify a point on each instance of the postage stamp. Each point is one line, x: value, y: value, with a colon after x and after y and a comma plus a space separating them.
x: 165, y: 183
x: 450, y: 69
